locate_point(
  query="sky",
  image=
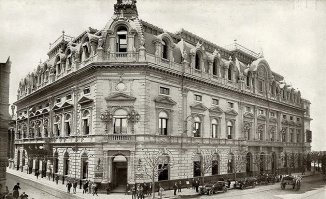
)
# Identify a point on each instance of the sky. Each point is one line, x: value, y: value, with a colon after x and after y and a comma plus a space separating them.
x: 290, y: 33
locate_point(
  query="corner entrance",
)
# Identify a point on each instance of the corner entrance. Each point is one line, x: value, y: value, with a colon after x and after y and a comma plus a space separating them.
x: 119, y: 173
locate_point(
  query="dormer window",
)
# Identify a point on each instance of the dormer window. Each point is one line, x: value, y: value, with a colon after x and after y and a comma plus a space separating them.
x: 164, y: 50
x: 248, y: 109
x: 198, y: 61
x: 284, y: 117
x: 230, y: 73
x: 261, y: 112
x: 164, y: 91
x: 68, y: 97
x: 215, y: 102
x: 122, y: 39
x: 231, y: 105
x: 215, y: 67
x: 58, y: 100
x: 291, y: 118
x: 87, y: 90
x: 248, y: 79
x: 198, y: 98
x: 272, y: 114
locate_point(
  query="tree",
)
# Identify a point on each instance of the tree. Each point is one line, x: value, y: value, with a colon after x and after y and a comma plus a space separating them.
x: 240, y: 162
x: 262, y: 161
x: 154, y: 164
x: 208, y: 159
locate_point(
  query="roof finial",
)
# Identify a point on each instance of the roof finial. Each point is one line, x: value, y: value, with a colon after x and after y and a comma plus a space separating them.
x: 261, y: 54
x: 235, y: 43
x: 63, y: 35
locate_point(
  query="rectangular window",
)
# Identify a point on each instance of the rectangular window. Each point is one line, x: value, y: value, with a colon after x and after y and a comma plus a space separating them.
x: 120, y: 125
x: 291, y: 118
x: 87, y: 90
x: 215, y: 101
x: 229, y: 132
x: 85, y: 126
x: 56, y: 129
x: 197, y: 129
x: 214, y: 130
x: 231, y: 105
x: 198, y: 97
x: 66, y: 166
x: 298, y: 119
x: 283, y: 137
x: 68, y: 97
x: 248, y: 108
x: 284, y: 116
x: 261, y: 112
x: 58, y: 100
x: 260, y: 86
x: 164, y: 91
x: 67, y: 127
x: 291, y: 137
x: 272, y: 114
x: 163, y: 126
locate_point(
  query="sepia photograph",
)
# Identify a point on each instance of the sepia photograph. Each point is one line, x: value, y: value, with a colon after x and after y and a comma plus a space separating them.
x: 144, y: 99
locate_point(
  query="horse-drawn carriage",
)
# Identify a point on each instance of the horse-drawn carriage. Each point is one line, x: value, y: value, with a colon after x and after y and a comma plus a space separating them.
x: 293, y: 181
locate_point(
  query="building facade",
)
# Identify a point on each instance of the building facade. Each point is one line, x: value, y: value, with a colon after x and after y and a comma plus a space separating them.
x: 4, y: 118
x: 107, y: 101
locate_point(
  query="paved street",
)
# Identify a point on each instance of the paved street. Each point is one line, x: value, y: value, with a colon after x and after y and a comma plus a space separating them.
x: 312, y: 187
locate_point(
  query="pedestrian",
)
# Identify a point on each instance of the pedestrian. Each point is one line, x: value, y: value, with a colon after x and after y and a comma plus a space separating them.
x: 193, y: 183
x: 150, y: 189
x: 175, y: 187
x: 133, y: 192
x: 37, y: 173
x: 161, y: 192
x: 16, y: 191
x: 94, y: 189
x: 69, y: 185
x: 85, y: 187
x: 127, y: 189
x: 56, y: 179
x: 90, y: 186
x: 179, y: 186
x: 74, y: 185
x: 108, y: 189
x: 24, y: 196
x: 196, y: 185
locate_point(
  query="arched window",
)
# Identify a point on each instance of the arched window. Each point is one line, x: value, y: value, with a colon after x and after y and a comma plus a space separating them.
x: 215, y: 164
x: 58, y: 65
x: 45, y: 128
x: 66, y: 163
x: 198, y: 60
x: 214, y: 128
x: 24, y: 131
x: 163, y: 123
x: 86, y: 122
x: 231, y: 163
x: 165, y: 50
x: 121, y: 39
x: 86, y: 49
x: 84, y: 165
x: 197, y: 165
x: 229, y: 130
x: 215, y: 66
x: 120, y: 121
x: 230, y: 73
x: 67, y: 124
x: 197, y: 127
x: 56, y: 163
x: 163, y: 168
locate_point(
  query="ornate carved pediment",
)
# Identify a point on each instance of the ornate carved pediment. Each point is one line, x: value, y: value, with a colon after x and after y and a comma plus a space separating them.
x: 120, y: 97
x: 292, y: 123
x: 248, y: 115
x: 66, y: 105
x: 284, y: 122
x: 231, y: 112
x: 56, y: 107
x: 198, y: 107
x: 85, y: 100
x: 164, y: 100
x: 215, y: 110
x: 273, y: 120
x: 261, y: 117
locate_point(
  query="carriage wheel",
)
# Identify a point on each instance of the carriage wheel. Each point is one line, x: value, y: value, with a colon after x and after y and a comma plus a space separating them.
x: 282, y: 186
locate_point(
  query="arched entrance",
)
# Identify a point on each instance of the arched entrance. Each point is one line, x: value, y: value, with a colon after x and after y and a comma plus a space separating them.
x: 262, y: 162
x: 274, y: 163
x: 23, y: 160
x: 119, y: 172
x: 248, y: 164
x: 18, y: 159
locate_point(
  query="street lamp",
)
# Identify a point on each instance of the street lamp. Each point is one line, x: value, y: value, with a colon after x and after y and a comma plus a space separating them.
x: 106, y: 117
x: 133, y: 116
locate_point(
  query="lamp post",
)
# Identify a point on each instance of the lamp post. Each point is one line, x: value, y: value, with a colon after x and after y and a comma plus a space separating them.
x: 106, y: 117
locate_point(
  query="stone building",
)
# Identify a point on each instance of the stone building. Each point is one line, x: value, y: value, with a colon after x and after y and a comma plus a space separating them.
x: 107, y: 101
x: 4, y: 118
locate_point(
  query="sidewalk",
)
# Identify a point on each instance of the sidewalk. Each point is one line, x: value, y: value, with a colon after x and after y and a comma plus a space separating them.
x: 60, y: 190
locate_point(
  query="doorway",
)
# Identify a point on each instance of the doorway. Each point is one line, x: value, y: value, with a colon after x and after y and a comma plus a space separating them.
x: 119, y: 173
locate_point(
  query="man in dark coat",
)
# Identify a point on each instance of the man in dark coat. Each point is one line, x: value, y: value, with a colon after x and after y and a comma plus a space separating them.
x: 16, y: 191
x: 175, y: 187
x: 85, y: 187
x: 69, y: 185
x: 179, y: 186
x: 74, y: 186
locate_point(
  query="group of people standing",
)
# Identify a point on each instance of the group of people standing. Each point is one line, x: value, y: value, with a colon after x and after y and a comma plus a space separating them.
x: 90, y: 188
x: 139, y: 191
x: 177, y: 186
x: 14, y: 195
